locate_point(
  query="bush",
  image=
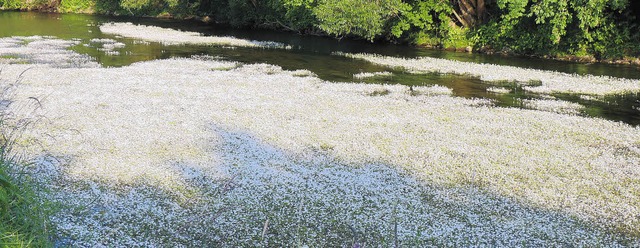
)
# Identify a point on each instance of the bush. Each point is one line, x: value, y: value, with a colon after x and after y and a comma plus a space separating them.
x: 77, y: 6
x: 359, y: 18
x: 11, y: 4
x: 605, y: 29
x: 602, y: 28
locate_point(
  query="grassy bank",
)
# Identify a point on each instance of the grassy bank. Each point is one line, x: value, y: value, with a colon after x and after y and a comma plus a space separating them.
x: 22, y: 217
x: 22, y: 221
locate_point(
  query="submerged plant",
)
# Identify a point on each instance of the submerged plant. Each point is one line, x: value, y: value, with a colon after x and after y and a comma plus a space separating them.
x: 380, y: 92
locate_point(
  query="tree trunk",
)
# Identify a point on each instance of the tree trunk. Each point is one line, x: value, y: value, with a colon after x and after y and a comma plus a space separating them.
x: 481, y: 11
x: 470, y: 13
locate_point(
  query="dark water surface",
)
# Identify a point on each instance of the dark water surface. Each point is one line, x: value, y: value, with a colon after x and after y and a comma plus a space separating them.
x: 314, y: 54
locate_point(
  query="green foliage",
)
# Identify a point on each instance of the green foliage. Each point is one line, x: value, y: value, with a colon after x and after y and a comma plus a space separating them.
x: 11, y: 4
x: 25, y: 4
x: 601, y: 28
x: 298, y: 14
x: 512, y: 10
x: 106, y: 6
x: 456, y: 37
x: 241, y: 12
x: 362, y: 18
x: 21, y: 222
x: 430, y: 16
x: 153, y: 7
x: 553, y: 16
x: 77, y: 6
x: 417, y: 21
x: 576, y: 27
x: 136, y: 5
x: 237, y: 13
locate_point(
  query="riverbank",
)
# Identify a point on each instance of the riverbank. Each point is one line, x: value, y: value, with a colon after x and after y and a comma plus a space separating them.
x: 203, y: 152
x: 23, y: 213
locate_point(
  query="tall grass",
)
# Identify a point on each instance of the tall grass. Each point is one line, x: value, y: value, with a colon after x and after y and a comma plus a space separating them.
x: 22, y: 217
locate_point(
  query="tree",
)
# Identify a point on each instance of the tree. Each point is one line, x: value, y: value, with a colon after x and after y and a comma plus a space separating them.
x: 362, y: 18
x: 579, y: 27
x: 470, y: 13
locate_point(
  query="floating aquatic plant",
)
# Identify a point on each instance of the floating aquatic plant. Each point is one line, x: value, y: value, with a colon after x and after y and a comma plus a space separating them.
x: 558, y: 106
x: 175, y: 37
x: 364, y: 75
x: 498, y: 90
x: 178, y: 154
x: 545, y: 82
x: 44, y: 51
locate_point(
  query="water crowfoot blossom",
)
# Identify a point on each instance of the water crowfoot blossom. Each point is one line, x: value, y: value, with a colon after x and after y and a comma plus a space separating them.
x: 175, y: 37
x: 498, y: 90
x: 108, y: 45
x: 558, y: 106
x: 551, y: 82
x: 364, y: 75
x: 43, y: 51
x: 200, y: 152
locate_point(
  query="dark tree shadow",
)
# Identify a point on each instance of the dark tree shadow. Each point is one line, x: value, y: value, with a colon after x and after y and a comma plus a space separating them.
x: 256, y: 194
x: 274, y: 197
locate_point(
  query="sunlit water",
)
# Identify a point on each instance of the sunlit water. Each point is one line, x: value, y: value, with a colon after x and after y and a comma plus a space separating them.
x: 315, y: 54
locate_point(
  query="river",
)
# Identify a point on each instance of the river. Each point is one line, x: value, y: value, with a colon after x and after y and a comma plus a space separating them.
x: 139, y: 144
x: 317, y: 55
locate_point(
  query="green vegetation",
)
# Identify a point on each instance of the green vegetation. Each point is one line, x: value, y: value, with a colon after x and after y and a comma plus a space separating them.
x: 606, y: 29
x: 9, y: 57
x: 600, y: 29
x: 22, y: 220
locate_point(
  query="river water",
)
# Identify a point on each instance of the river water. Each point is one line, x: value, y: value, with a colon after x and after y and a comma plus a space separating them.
x: 315, y: 54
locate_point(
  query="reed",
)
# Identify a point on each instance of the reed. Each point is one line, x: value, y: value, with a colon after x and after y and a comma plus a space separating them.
x: 23, y: 219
